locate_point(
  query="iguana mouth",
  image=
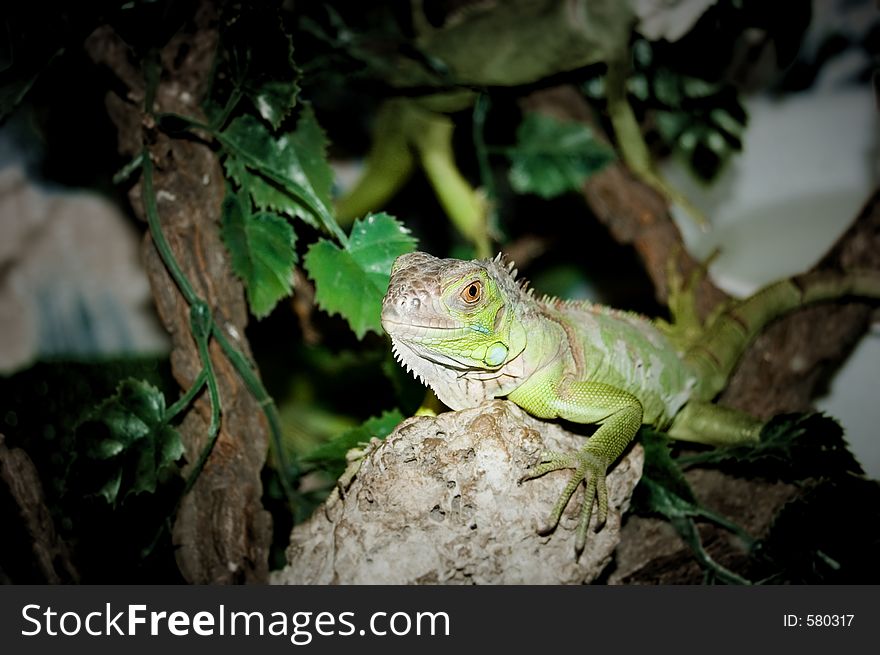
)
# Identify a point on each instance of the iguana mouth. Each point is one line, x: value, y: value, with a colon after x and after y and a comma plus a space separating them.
x: 395, y: 322
x: 416, y: 326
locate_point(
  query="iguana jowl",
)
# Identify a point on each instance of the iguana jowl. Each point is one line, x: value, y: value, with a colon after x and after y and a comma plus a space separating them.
x: 471, y: 331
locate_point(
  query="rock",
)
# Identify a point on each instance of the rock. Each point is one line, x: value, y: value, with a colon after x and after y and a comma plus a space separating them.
x: 438, y: 502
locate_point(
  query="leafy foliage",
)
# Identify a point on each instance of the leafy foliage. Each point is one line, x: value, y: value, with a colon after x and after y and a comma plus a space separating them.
x: 552, y: 157
x: 127, y: 445
x: 288, y: 174
x: 331, y: 456
x: 793, y: 447
x: 698, y: 118
x: 256, y: 56
x: 261, y: 246
x: 667, y: 480
x: 663, y: 488
x: 351, y: 280
x: 806, y: 449
x: 664, y: 491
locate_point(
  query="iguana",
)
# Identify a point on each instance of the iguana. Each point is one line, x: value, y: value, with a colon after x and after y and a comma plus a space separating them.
x: 472, y: 332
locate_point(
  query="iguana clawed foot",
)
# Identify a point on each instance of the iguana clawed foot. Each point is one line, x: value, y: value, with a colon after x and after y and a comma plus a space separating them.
x: 589, y: 468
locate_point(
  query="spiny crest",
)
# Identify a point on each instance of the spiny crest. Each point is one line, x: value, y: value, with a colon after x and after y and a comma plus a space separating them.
x: 398, y: 356
x: 504, y: 269
x: 506, y: 262
x: 589, y: 306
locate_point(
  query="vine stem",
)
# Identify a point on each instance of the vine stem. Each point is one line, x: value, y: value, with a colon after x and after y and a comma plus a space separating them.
x: 149, y: 198
x: 202, y: 323
x: 200, y: 320
x: 184, y: 401
x: 214, y: 428
x: 246, y: 371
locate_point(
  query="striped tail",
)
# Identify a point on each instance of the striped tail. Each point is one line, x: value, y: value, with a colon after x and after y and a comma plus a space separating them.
x: 715, y: 354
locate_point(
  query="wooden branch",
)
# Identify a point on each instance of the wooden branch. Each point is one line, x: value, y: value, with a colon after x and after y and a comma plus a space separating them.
x: 51, y: 557
x: 634, y: 213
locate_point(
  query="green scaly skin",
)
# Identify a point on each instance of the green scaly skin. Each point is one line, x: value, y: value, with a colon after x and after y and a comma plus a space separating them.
x: 472, y: 332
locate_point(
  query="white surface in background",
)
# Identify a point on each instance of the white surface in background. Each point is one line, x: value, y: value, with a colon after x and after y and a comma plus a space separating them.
x: 809, y: 162
x: 71, y: 279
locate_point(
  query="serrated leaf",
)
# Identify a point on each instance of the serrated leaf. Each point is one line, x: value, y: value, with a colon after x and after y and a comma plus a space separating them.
x: 255, y: 60
x: 664, y: 491
x: 663, y: 488
x: 331, y: 456
x: 262, y: 248
x: 292, y: 164
x: 352, y: 280
x: 663, y: 471
x: 310, y: 143
x: 552, y: 157
x: 272, y: 80
x: 274, y: 100
x: 127, y: 443
x: 265, y: 194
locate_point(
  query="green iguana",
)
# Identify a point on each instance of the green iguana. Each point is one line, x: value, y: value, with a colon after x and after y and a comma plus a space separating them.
x: 471, y: 331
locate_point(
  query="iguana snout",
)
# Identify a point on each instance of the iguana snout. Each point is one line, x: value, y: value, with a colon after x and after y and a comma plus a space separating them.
x: 415, y: 294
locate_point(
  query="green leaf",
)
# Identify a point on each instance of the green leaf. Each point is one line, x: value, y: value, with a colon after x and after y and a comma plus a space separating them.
x: 262, y: 247
x: 310, y: 143
x: 663, y: 472
x: 664, y: 491
x: 274, y: 100
x: 289, y: 173
x: 352, y: 280
x: 552, y: 157
x: 127, y: 444
x: 667, y: 87
x: 331, y: 455
x: 265, y: 194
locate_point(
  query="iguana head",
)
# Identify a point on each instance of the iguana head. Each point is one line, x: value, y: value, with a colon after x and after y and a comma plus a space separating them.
x: 451, y: 319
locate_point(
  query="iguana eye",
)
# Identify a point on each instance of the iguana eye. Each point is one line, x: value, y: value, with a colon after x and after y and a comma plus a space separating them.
x: 472, y: 292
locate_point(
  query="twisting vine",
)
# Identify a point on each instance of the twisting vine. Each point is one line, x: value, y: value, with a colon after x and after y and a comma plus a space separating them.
x: 203, y: 325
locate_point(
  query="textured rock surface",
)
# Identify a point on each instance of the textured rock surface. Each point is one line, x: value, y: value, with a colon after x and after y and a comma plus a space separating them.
x: 439, y: 502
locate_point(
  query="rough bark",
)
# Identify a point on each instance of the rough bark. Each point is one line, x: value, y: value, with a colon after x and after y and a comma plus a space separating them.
x: 222, y: 531
x: 438, y: 502
x: 50, y: 556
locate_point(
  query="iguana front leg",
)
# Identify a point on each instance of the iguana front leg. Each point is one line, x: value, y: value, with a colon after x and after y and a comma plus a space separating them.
x: 619, y: 415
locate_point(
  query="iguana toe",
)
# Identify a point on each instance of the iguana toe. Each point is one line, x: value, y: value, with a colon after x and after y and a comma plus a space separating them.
x: 588, y: 468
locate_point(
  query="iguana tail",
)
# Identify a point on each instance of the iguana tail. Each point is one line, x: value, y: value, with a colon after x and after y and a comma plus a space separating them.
x: 716, y: 352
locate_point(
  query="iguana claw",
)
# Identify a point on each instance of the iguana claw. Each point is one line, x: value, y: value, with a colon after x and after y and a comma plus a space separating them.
x: 587, y: 468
